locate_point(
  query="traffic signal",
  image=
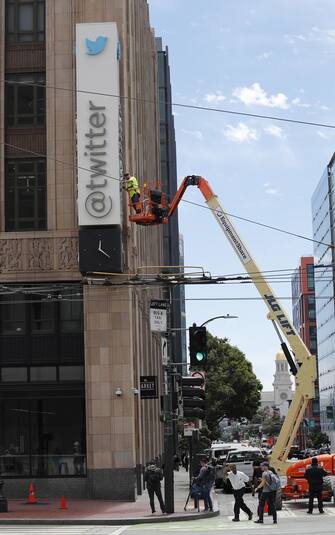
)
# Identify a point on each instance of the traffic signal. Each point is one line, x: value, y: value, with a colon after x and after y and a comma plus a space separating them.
x: 177, y: 398
x: 330, y: 412
x: 193, y: 397
x: 198, y: 345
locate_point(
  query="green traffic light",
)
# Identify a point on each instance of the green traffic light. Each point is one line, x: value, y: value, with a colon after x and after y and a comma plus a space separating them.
x: 200, y: 356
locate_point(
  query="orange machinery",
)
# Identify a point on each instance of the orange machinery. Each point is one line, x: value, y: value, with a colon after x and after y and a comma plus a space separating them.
x: 154, y: 210
x: 297, y: 486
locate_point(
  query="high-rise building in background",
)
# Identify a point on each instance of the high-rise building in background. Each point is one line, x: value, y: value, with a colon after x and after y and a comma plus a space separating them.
x: 169, y: 185
x: 73, y: 351
x: 304, y: 321
x: 323, y: 212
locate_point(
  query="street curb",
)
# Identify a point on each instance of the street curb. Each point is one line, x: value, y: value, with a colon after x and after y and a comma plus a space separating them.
x: 174, y: 517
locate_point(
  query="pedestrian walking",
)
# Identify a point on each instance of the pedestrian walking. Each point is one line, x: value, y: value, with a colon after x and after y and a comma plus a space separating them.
x: 269, y: 483
x: 314, y: 475
x: 176, y: 462
x: 153, y: 476
x: 186, y: 462
x: 238, y: 480
x: 256, y: 479
x: 206, y: 479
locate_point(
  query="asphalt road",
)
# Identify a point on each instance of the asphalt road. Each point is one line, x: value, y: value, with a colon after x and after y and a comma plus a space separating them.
x: 291, y: 520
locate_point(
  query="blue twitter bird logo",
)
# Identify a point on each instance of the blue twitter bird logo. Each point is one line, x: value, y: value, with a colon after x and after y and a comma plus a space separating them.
x: 97, y: 46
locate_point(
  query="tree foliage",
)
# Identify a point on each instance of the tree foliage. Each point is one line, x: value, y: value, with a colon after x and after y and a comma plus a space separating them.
x: 232, y: 389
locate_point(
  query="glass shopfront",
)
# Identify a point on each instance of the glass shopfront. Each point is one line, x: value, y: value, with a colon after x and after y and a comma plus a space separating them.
x: 42, y: 384
x: 42, y: 437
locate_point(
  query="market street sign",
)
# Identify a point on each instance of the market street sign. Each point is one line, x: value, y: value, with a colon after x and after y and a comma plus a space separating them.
x: 148, y: 387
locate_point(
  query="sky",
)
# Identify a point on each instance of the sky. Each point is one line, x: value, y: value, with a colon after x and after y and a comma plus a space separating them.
x: 273, y: 58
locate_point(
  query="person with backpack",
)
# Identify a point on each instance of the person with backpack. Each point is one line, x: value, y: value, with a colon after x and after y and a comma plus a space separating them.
x: 269, y: 484
x: 153, y: 476
x: 205, y: 480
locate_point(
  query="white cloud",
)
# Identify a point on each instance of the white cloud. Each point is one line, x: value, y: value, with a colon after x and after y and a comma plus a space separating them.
x: 270, y: 190
x: 255, y: 95
x: 264, y: 55
x: 240, y: 133
x: 315, y: 35
x: 275, y: 131
x: 194, y: 133
x: 215, y: 98
x: 322, y: 135
x: 297, y: 102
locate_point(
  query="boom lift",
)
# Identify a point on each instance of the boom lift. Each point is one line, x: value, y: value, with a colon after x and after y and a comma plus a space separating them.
x: 302, y: 364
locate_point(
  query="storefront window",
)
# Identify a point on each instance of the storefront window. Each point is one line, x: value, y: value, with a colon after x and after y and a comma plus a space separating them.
x: 42, y: 438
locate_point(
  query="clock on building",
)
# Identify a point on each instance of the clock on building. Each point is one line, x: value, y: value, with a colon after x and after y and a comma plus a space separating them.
x: 100, y: 250
x: 283, y: 396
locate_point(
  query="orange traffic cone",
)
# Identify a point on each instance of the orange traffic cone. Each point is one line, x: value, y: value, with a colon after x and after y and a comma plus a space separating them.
x: 63, y: 504
x: 266, y: 508
x: 32, y: 497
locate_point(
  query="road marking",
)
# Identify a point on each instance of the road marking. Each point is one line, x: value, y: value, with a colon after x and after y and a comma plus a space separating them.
x: 120, y: 530
x: 62, y: 530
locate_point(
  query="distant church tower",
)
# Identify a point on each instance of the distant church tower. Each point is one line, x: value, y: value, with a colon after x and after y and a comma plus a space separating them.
x: 282, y: 384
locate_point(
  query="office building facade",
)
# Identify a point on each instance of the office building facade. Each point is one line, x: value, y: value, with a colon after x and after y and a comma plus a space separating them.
x: 304, y: 321
x: 73, y: 350
x: 171, y: 250
x: 323, y: 207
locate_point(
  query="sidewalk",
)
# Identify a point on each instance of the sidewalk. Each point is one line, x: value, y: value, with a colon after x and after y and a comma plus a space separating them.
x: 98, y: 512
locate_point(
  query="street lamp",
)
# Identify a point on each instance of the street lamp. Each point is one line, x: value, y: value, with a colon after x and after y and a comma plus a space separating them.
x: 226, y: 317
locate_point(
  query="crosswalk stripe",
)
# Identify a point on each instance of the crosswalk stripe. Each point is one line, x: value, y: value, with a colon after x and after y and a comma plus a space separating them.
x: 62, y: 530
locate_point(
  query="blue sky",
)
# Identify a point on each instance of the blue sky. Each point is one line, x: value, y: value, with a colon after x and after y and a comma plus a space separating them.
x: 263, y: 57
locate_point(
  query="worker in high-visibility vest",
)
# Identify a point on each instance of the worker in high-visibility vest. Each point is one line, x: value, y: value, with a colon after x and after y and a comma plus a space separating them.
x: 131, y: 186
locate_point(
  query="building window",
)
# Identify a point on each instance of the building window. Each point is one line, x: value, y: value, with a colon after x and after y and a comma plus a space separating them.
x: 25, y: 100
x: 25, y: 21
x: 42, y: 316
x: 25, y: 194
x: 71, y: 316
x: 311, y: 307
x: 310, y: 276
x: 12, y: 315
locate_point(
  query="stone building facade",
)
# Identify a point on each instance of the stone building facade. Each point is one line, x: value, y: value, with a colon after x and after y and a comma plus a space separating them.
x: 69, y: 348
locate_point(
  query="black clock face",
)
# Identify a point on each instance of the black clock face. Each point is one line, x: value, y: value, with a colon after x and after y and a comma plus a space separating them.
x: 100, y: 250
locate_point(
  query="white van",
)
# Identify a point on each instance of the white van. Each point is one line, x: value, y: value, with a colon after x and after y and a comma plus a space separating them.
x: 220, y: 450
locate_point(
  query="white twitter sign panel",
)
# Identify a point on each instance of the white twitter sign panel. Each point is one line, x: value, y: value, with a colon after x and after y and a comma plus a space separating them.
x: 98, y: 119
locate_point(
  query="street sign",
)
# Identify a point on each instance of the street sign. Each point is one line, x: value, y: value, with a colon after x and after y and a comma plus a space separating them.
x: 164, y: 345
x: 189, y: 427
x: 158, y: 315
x: 148, y: 387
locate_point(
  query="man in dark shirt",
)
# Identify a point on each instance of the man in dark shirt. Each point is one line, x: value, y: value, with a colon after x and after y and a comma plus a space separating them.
x: 256, y: 479
x: 314, y: 475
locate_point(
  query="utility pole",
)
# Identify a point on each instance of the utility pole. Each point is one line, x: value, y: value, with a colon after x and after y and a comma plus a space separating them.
x: 169, y: 381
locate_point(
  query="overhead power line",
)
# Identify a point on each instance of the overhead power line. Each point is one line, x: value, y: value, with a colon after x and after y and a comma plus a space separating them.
x: 75, y: 167
x: 178, y: 104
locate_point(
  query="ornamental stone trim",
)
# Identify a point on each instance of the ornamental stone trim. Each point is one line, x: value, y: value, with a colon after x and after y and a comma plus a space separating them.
x: 27, y: 255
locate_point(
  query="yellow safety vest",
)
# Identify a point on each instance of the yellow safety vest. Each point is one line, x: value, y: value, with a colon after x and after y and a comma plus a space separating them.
x: 132, y: 186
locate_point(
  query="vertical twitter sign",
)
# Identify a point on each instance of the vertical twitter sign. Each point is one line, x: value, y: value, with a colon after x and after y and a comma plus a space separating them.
x: 98, y: 112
